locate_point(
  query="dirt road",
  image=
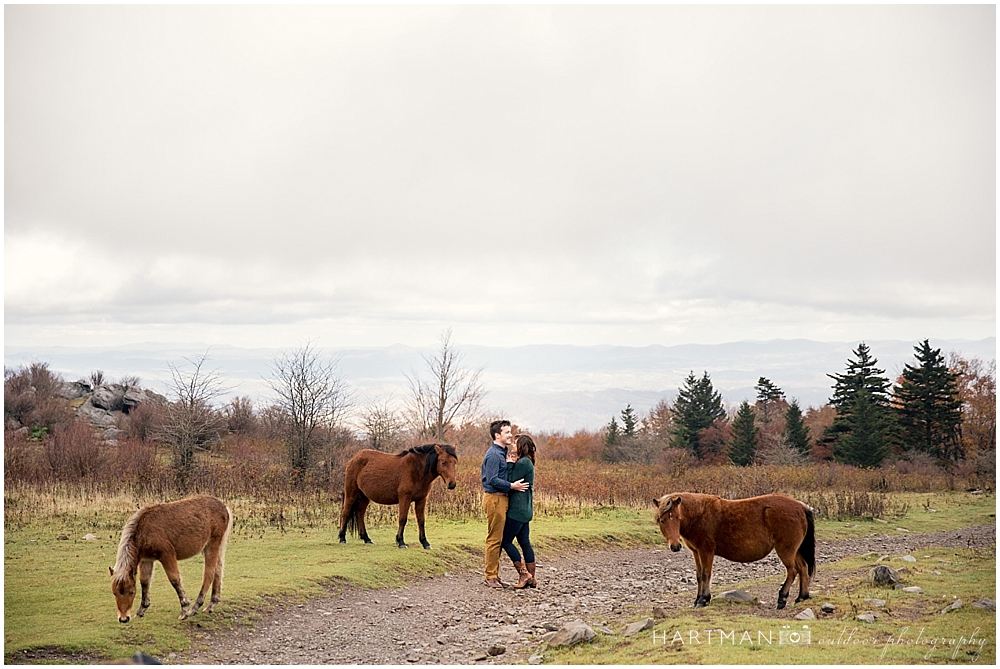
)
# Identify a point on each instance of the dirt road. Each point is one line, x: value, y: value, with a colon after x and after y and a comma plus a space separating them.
x: 454, y: 619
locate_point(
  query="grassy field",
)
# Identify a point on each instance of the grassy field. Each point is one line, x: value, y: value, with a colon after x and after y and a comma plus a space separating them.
x: 57, y: 592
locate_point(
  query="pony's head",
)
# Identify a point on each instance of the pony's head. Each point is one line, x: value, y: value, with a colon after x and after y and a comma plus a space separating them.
x: 445, y: 460
x: 123, y: 588
x: 668, y: 516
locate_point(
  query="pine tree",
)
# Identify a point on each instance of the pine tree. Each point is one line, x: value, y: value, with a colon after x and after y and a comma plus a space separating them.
x: 867, y: 440
x: 743, y: 443
x: 767, y: 395
x: 927, y: 405
x: 698, y: 405
x: 861, y: 375
x: 796, y: 432
x: 629, y: 422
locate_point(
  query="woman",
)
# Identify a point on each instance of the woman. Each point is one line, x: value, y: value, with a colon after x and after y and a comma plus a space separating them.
x: 521, y: 465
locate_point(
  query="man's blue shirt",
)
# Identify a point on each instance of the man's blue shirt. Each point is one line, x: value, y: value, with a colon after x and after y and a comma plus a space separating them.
x: 495, y: 469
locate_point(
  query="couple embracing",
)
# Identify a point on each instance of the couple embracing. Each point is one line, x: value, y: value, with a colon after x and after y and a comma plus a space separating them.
x: 508, y: 475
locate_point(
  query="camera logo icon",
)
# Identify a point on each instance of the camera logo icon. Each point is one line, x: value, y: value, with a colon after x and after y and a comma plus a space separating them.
x: 794, y: 637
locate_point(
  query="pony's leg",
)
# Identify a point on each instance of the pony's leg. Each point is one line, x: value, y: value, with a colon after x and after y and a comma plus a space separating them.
x: 145, y: 576
x: 697, y: 571
x: 211, y: 554
x: 169, y: 562
x: 404, y: 511
x: 216, y: 586
x: 787, y: 559
x: 705, y: 578
x: 804, y: 578
x: 419, y: 507
x: 351, y: 493
x: 363, y: 503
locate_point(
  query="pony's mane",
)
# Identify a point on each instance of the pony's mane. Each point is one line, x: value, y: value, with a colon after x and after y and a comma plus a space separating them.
x: 430, y: 454
x: 128, y: 554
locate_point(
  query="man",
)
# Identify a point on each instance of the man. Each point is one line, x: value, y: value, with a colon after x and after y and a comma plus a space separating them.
x: 495, y: 489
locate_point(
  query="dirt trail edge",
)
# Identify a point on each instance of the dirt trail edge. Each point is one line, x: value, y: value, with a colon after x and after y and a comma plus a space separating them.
x: 454, y: 619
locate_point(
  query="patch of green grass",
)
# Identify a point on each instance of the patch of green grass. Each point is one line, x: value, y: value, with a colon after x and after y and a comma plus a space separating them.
x: 910, y: 629
x: 952, y: 510
x: 57, y: 593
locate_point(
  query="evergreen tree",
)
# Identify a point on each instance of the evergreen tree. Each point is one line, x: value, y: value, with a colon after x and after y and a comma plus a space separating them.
x: 796, y: 432
x: 927, y: 405
x: 698, y: 405
x: 629, y: 422
x: 861, y: 375
x: 614, y: 435
x: 867, y: 440
x: 743, y: 443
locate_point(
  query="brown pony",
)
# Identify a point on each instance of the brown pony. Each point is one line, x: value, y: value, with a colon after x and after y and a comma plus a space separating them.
x: 168, y: 533
x: 373, y: 476
x: 743, y: 530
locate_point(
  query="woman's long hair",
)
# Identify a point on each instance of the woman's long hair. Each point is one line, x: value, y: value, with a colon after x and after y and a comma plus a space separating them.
x: 525, y: 447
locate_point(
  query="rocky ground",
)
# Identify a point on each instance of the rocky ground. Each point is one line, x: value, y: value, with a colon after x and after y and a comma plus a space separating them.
x: 454, y: 619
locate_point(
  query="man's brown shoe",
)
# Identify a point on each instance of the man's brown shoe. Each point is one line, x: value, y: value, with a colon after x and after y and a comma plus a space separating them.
x: 493, y: 583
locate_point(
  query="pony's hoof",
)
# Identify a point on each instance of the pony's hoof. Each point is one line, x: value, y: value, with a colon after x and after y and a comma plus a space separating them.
x: 781, y: 604
x: 343, y: 540
x: 426, y: 545
x: 801, y: 598
x: 369, y: 541
x: 699, y: 603
x: 400, y: 544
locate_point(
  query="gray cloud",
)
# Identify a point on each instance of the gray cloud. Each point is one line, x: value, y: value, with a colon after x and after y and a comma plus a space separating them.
x: 641, y: 173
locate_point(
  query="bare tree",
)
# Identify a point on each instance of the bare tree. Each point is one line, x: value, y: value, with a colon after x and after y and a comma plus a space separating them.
x: 452, y: 392
x: 382, y: 424
x: 189, y: 421
x: 312, y: 398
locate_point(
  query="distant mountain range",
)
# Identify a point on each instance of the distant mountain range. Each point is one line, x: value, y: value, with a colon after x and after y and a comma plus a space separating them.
x: 548, y: 387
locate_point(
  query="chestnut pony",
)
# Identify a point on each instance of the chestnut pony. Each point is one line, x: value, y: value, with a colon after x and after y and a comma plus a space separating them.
x: 743, y: 530
x: 373, y: 476
x: 168, y: 533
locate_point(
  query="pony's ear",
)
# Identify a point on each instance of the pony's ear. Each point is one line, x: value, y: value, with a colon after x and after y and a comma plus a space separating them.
x: 656, y: 502
x: 677, y: 500
x: 111, y: 570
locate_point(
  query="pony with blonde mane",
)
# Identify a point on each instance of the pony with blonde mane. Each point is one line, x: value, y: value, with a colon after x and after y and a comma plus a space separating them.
x: 168, y: 533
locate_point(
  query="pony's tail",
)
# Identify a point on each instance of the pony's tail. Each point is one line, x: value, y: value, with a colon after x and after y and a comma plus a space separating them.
x: 807, y: 549
x: 222, y: 546
x: 352, y: 517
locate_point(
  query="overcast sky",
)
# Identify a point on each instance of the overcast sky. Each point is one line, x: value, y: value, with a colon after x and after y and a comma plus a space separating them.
x: 261, y: 176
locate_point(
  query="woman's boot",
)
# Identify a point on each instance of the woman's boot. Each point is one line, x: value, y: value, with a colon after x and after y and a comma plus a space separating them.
x: 525, y: 577
x: 530, y: 567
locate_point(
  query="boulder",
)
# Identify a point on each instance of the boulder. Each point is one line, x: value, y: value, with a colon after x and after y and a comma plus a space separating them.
x: 95, y: 415
x: 113, y: 434
x: 884, y: 575
x: 132, y: 398
x: 806, y: 615
x: 738, y: 596
x: 109, y: 397
x: 572, y: 633
x: 828, y: 608
x: 954, y: 606
x: 74, y: 390
x: 988, y: 604
x: 877, y: 603
x: 866, y: 618
x: 638, y: 626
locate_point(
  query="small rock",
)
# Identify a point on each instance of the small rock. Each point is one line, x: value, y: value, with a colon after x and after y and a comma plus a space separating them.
x: 550, y: 627
x: 935, y: 572
x: 493, y: 651
x: 546, y: 637
x: 605, y: 630
x: 536, y: 659
x: 806, y: 615
x: 62, y: 537
x: 738, y: 596
x: 480, y: 656
x: 909, y: 558
x: 638, y: 626
x: 902, y: 529
x: 89, y: 537
x: 954, y: 606
x: 914, y: 589
x: 902, y: 570
x: 879, y: 603
x: 659, y: 612
x: 884, y: 575
x: 828, y: 608
x: 572, y: 633
x: 988, y: 604
x: 414, y: 656
x: 866, y: 618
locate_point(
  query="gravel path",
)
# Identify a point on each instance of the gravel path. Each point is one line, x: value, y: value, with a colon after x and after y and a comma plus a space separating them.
x: 454, y: 619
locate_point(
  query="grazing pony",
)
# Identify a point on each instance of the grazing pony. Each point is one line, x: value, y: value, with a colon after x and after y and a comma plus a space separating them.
x: 373, y: 476
x: 168, y: 533
x: 743, y: 530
